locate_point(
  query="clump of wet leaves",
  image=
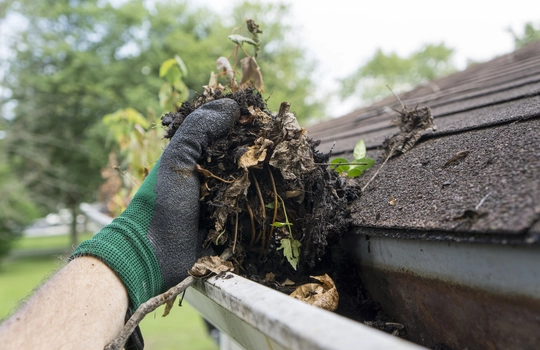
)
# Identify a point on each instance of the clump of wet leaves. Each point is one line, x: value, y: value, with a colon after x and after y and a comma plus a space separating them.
x: 266, y: 191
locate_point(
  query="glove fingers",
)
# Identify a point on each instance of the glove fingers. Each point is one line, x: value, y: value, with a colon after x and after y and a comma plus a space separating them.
x: 208, y: 122
x: 173, y: 231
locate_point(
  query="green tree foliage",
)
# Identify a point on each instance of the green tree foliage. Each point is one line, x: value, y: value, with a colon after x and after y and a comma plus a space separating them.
x: 400, y: 73
x: 16, y: 208
x: 531, y: 33
x: 76, y: 61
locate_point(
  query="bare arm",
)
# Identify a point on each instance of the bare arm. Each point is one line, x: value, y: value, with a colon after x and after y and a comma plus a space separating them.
x: 82, y: 306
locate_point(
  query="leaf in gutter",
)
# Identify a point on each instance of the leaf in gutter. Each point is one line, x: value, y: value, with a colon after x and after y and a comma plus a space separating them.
x: 281, y: 224
x: 363, y: 163
x: 340, y: 168
x: 291, y: 250
x: 208, y: 265
x: 359, y: 150
x: 354, y: 172
x: 324, y: 296
x: 271, y: 205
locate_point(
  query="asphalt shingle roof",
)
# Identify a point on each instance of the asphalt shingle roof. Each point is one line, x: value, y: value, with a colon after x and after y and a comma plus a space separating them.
x: 491, y: 110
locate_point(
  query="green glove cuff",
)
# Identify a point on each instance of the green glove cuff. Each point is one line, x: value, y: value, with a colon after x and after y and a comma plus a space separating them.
x: 124, y: 246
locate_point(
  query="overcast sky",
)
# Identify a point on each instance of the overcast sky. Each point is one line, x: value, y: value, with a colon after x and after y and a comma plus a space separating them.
x: 343, y: 34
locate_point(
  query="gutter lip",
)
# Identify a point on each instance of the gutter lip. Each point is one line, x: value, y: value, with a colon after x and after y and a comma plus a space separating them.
x: 525, y: 238
x: 284, y: 320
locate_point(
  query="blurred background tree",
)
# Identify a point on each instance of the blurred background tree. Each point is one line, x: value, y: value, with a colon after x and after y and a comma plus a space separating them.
x: 530, y: 34
x: 400, y: 73
x: 16, y: 207
x: 73, y: 62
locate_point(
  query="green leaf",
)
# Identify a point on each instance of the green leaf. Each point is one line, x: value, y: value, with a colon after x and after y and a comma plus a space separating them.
x: 165, y: 96
x: 354, y: 172
x: 166, y: 66
x: 281, y: 224
x: 340, y: 168
x: 240, y: 39
x: 359, y: 150
x: 271, y: 205
x: 181, y: 65
x: 363, y: 163
x: 291, y: 250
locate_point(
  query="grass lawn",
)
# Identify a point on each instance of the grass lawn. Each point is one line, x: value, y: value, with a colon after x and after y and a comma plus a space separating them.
x: 182, y: 329
x: 47, y: 242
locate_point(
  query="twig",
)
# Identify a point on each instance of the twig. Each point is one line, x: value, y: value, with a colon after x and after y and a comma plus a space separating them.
x: 146, y: 308
x: 208, y: 173
x: 235, y: 233
x: 378, y: 170
x: 261, y: 199
x: 152, y: 304
x: 396, y: 96
x: 250, y: 212
x: 275, y: 207
x: 482, y: 201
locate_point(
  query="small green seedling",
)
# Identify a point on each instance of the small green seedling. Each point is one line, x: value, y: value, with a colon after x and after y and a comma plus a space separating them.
x: 291, y: 250
x: 290, y: 246
x: 355, y: 168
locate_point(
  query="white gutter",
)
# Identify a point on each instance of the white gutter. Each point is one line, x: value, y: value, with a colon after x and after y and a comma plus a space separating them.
x: 257, y: 317
x: 502, y: 269
x: 253, y: 316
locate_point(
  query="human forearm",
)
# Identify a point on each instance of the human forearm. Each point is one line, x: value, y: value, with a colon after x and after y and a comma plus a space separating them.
x: 82, y: 306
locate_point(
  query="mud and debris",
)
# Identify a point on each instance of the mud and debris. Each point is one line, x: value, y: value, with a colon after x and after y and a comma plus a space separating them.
x: 412, y: 122
x: 266, y: 184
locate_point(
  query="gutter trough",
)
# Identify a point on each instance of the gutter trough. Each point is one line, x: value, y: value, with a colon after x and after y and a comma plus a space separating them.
x: 256, y: 317
x: 448, y: 295
x: 460, y: 295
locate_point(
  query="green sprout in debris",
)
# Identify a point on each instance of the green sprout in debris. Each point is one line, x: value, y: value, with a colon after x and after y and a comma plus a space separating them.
x: 355, y: 168
x: 251, y: 72
x: 290, y: 246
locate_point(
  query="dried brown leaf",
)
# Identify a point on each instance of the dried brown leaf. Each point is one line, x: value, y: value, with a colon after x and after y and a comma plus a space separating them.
x: 288, y: 282
x: 208, y: 265
x: 251, y: 73
x: 232, y: 195
x: 168, y: 307
x: 252, y: 157
x: 324, y: 296
x: 223, y: 65
x: 270, y: 277
x: 260, y: 115
x: 213, y: 82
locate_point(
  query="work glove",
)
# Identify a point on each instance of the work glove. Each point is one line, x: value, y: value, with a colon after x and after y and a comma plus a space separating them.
x: 155, y: 241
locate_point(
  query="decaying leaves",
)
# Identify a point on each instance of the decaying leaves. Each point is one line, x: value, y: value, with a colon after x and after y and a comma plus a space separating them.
x: 292, y: 156
x: 323, y: 295
x: 224, y: 66
x: 412, y: 123
x: 255, y: 154
x: 251, y: 73
x: 208, y: 265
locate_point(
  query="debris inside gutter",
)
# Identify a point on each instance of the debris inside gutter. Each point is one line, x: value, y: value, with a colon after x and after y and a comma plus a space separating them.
x: 269, y: 195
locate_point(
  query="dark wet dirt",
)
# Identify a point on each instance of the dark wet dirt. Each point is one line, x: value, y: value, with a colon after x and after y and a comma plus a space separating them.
x: 266, y: 161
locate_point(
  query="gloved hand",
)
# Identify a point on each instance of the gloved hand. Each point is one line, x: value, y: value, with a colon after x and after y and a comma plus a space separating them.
x: 154, y: 242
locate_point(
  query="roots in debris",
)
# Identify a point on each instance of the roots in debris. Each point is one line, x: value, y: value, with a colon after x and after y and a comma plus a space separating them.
x: 267, y: 194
